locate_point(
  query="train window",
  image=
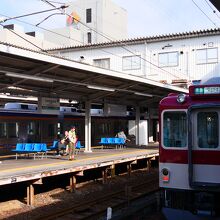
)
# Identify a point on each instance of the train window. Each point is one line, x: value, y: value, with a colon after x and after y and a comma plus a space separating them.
x: 207, y: 129
x: 31, y: 128
x: 33, y: 131
x: 174, y: 129
x: 12, y: 130
x: 52, y: 130
x: 3, y: 130
x: 24, y: 106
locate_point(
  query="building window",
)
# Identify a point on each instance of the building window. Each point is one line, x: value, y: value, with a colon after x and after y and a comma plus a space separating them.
x: 88, y: 15
x: 89, y: 37
x: 103, y: 63
x: 208, y: 55
x: 131, y: 62
x: 168, y: 59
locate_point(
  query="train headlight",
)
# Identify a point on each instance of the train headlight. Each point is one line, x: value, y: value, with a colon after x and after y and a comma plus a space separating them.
x: 165, y: 175
x: 181, y: 98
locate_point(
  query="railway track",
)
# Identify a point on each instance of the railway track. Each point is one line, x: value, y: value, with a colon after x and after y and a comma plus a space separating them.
x: 96, y: 208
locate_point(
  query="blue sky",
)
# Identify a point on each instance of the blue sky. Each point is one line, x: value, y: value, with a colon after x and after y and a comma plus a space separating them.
x: 145, y: 17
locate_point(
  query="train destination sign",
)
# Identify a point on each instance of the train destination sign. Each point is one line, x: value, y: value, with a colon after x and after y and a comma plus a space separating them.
x: 207, y: 90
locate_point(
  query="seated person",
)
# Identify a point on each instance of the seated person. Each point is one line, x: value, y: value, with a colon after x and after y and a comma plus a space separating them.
x: 65, y: 141
x: 121, y: 134
x: 62, y: 144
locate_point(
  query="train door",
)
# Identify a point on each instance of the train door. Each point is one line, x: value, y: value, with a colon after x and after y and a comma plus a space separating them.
x: 22, y: 131
x: 33, y: 132
x: 155, y: 130
x: 204, y: 150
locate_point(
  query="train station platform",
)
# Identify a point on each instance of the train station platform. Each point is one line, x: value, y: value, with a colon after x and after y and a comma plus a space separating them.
x: 27, y: 169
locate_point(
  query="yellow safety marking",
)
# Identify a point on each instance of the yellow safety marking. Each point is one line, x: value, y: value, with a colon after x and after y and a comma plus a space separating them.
x: 66, y: 162
x: 7, y: 156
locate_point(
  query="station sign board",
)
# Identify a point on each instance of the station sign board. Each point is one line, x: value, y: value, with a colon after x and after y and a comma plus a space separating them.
x: 115, y: 110
x: 204, y: 90
x: 49, y: 105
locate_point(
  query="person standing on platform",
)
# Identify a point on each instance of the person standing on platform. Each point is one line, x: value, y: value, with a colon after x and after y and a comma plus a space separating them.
x: 72, y: 142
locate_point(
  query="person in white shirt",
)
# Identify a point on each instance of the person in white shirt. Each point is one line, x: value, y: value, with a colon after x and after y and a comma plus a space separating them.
x: 121, y: 134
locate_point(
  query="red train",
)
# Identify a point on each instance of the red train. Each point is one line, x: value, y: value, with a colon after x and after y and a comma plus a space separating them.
x: 189, y: 163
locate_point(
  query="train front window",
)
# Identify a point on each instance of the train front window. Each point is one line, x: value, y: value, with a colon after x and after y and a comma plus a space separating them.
x: 207, y: 129
x: 174, y: 129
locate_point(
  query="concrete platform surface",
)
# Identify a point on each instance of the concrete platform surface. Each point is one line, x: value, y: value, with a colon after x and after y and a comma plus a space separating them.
x: 24, y: 169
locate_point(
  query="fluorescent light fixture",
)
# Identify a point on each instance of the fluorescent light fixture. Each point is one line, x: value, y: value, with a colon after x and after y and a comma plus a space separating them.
x: 68, y: 101
x: 22, y: 76
x: 143, y: 94
x: 8, y: 96
x: 101, y: 88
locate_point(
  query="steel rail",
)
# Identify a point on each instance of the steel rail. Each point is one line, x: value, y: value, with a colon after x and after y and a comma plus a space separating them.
x: 79, y: 207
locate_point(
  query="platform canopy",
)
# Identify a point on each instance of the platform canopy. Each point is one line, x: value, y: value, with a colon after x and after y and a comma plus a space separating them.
x: 30, y: 73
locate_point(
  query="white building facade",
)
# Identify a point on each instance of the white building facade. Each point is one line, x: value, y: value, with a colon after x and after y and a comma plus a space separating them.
x: 87, y: 22
x: 91, y: 21
x: 174, y: 58
x: 15, y: 34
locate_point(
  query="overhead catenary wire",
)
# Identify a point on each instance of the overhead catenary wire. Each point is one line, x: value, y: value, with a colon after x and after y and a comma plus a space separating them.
x: 213, y: 10
x: 56, y: 33
x: 61, y: 3
x: 26, y: 15
x: 108, y: 38
x: 24, y: 39
x: 31, y: 14
x: 45, y: 30
x: 53, y: 32
x: 55, y: 8
x: 47, y: 18
x: 152, y: 68
x: 204, y: 13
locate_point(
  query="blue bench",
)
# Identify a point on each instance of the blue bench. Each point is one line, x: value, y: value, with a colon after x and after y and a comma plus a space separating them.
x: 55, y: 147
x: 27, y: 148
x: 118, y: 142
x: 78, y: 147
